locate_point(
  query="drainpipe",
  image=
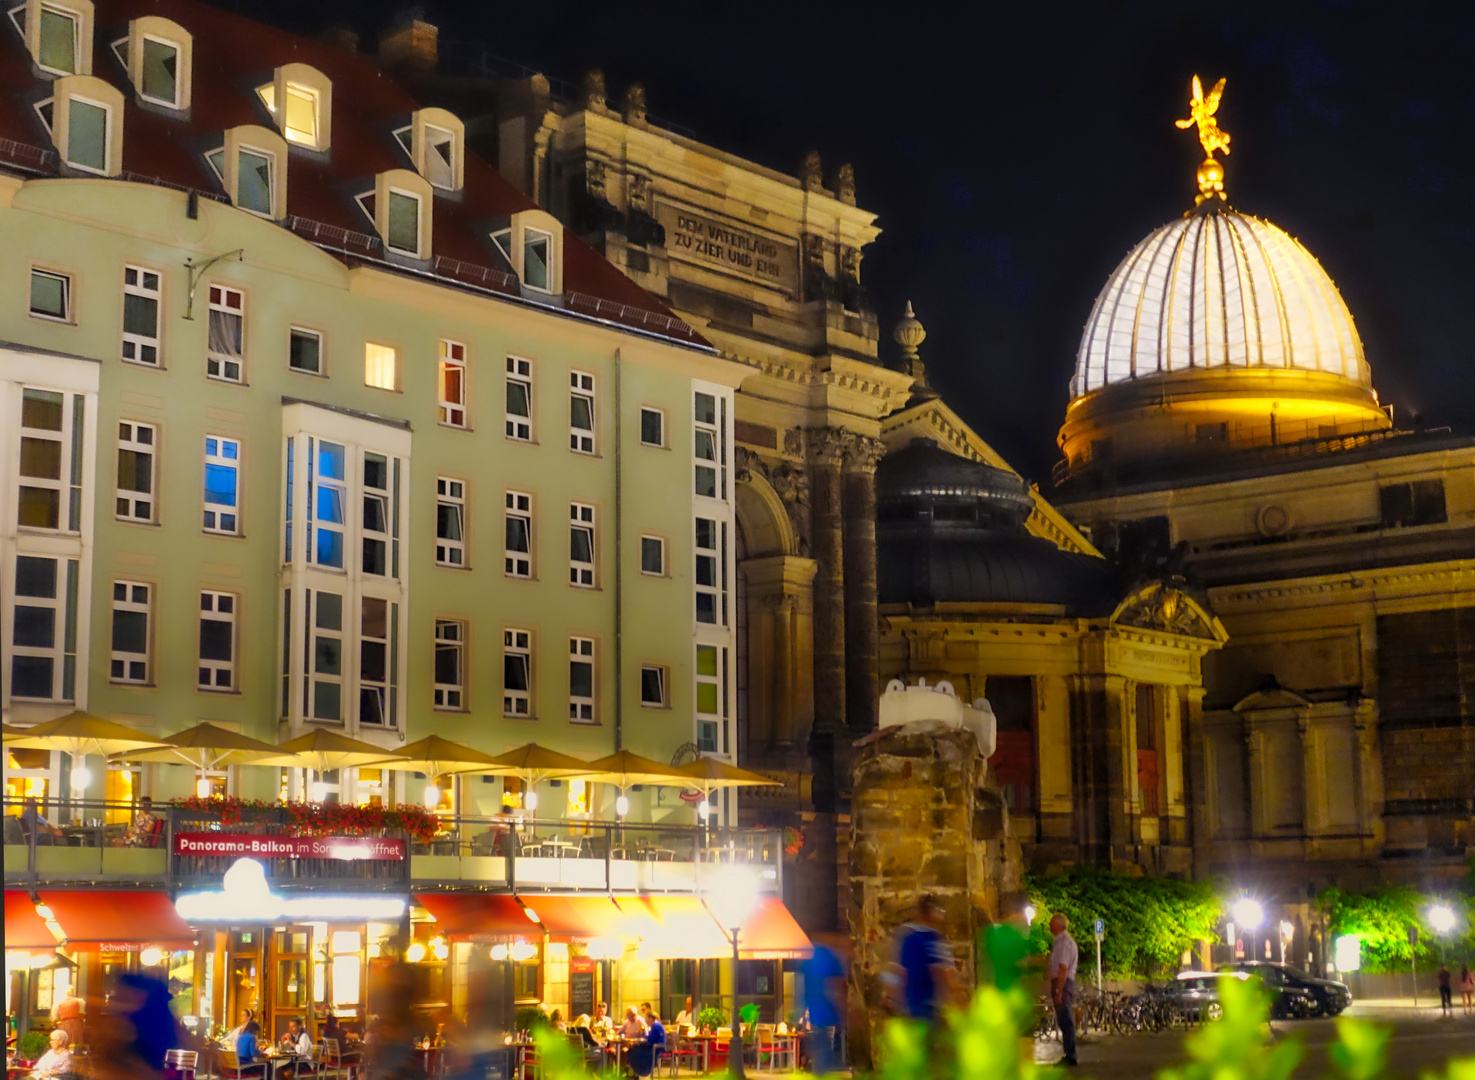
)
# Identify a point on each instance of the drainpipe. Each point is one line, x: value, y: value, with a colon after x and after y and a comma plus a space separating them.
x: 619, y: 572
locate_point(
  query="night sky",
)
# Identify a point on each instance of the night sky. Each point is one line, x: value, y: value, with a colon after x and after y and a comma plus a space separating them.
x: 1016, y: 153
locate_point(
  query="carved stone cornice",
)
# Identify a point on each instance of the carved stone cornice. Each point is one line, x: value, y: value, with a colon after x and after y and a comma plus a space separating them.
x: 863, y: 454
x: 791, y: 483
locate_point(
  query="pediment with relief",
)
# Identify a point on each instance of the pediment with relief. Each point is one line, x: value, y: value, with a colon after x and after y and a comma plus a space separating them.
x: 1170, y: 610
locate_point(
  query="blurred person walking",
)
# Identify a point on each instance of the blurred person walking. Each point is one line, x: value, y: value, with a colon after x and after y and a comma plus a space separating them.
x: 824, y: 997
x: 1446, y: 991
x: 925, y: 979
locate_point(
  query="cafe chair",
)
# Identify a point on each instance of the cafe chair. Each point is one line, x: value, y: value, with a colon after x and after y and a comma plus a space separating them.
x: 683, y: 1050
x: 181, y: 1064
x: 231, y: 1068
x: 326, y: 1060
x: 780, y: 1051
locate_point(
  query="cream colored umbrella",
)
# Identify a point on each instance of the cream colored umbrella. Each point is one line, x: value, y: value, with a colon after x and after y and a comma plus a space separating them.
x: 206, y: 747
x: 80, y: 733
x: 12, y: 733
x: 437, y: 757
x: 708, y: 774
x: 625, y: 768
x: 327, y: 751
x: 533, y: 764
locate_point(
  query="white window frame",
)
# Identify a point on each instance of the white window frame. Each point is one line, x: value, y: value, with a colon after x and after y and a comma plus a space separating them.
x: 389, y: 194
x: 517, y: 644
x: 581, y: 521
x: 107, y: 135
x: 66, y: 294
x: 450, y: 637
x: 78, y: 44
x: 138, y: 439
x: 133, y: 341
x: 218, y: 518
x: 450, y: 499
x: 519, y: 372
x: 316, y: 483
x: 531, y: 236
x: 581, y: 708
x: 295, y: 331
x: 272, y: 165
x: 518, y: 563
x: 328, y: 635
x: 386, y: 689
x: 708, y: 721
x: 127, y: 667
x: 708, y: 576
x: 218, y: 364
x: 663, y: 679
x: 581, y: 388
x: 63, y: 607
x: 295, y: 135
x: 659, y: 542
x: 452, y: 360
x: 711, y: 432
x: 375, y: 354
x: 67, y: 482
x: 660, y: 415
x: 214, y: 673
x: 180, y: 59
x: 384, y: 496
x: 428, y: 137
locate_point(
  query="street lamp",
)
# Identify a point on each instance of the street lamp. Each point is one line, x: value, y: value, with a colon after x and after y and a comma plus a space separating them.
x: 1442, y: 919
x: 1287, y: 931
x: 1249, y: 914
x: 731, y: 895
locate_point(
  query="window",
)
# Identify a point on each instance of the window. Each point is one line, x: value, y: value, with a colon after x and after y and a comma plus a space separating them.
x: 224, y: 356
x: 653, y: 686
x: 709, y: 699
x: 59, y: 35
x: 704, y: 446
x: 255, y: 176
x: 440, y: 157
x: 136, y: 446
x: 581, y: 545
x: 652, y: 427
x: 141, y: 296
x: 519, y: 554
x: 87, y: 135
x: 653, y: 556
x: 404, y: 223
x: 159, y: 76
x: 300, y: 122
x: 517, y: 673
x: 711, y: 572
x: 222, y: 485
x: 519, y: 399
x: 327, y: 496
x: 379, y: 366
x: 1418, y: 503
x: 51, y: 295
x: 450, y: 522
x: 50, y: 460
x: 130, y: 656
x: 305, y: 351
x: 378, y: 659
x: 537, y: 248
x: 581, y: 413
x: 217, y: 668
x: 452, y: 383
x: 581, y: 680
x: 324, y: 692
x: 43, y: 653
x: 450, y: 664
x: 377, y: 515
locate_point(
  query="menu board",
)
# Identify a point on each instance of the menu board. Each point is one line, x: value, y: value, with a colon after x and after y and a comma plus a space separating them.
x: 580, y: 986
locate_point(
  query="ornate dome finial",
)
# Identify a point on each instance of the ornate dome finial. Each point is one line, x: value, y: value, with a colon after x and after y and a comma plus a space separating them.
x: 1211, y: 137
x: 909, y: 333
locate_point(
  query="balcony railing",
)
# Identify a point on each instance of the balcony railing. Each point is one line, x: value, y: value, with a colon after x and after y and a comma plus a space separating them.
x: 503, y: 853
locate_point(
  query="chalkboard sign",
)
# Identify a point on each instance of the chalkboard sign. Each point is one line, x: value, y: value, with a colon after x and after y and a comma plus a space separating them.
x: 580, y: 986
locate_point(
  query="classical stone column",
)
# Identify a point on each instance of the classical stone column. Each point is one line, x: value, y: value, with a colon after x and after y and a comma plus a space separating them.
x: 826, y: 453
x: 862, y: 634
x: 780, y: 665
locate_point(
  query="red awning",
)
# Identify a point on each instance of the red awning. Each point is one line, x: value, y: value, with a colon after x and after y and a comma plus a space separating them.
x: 771, y: 933
x: 576, y: 916
x: 96, y: 920
x: 24, y: 929
x: 478, y: 916
x: 687, y: 930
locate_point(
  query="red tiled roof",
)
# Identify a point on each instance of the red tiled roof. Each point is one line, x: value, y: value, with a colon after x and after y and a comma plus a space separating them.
x: 232, y: 56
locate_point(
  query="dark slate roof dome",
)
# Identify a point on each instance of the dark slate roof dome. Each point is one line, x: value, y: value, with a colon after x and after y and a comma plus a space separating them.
x: 953, y: 530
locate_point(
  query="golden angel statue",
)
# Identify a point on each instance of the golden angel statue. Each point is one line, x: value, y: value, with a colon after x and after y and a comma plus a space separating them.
x: 1201, y: 110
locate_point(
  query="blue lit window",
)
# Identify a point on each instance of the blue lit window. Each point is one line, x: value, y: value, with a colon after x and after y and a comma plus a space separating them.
x: 327, y: 509
x: 222, y: 478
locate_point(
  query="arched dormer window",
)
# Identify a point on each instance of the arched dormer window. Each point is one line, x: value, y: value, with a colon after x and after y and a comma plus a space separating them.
x: 84, y: 116
x: 252, y: 168
x: 58, y: 34
x: 300, y: 100
x: 436, y: 142
x: 400, y: 205
x: 532, y: 243
x: 158, y: 55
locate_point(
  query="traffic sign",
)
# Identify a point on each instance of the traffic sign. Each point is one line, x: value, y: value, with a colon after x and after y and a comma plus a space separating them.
x: 1100, y: 929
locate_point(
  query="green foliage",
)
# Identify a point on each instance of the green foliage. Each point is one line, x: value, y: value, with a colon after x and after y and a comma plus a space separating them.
x: 1150, y: 921
x: 1235, y: 1048
x: 1360, y: 1050
x: 711, y: 1018
x: 33, y: 1044
x: 531, y: 1018
x: 1381, y: 919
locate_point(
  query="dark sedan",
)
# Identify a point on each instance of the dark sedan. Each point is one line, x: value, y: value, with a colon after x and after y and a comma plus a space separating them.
x: 1327, y: 998
x: 1196, y: 993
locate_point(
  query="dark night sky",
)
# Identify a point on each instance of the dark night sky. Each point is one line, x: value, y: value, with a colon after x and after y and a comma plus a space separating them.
x: 1015, y: 153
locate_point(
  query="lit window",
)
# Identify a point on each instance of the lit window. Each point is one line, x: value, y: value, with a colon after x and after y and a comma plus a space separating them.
x: 376, y: 521
x: 404, y: 223
x: 653, y: 686
x: 705, y: 442
x: 50, y: 464
x: 159, y: 77
x: 379, y: 366
x: 517, y: 673
x: 43, y: 652
x: 59, y: 44
x: 709, y: 699
x: 377, y: 676
x: 452, y: 383
x: 581, y: 545
x: 137, y: 444
x: 254, y: 175
x: 653, y: 556
x: 440, y: 157
x: 652, y: 427
x: 519, y: 550
x: 222, y: 485
x: 300, y: 125
x: 87, y: 135
x: 327, y: 495
x: 450, y: 663
x: 711, y: 577
x: 324, y: 693
x: 141, y: 296
x: 305, y: 351
x: 581, y: 413
x: 225, y: 353
x: 537, y: 250
x: 51, y: 295
x: 519, y: 399
x: 450, y: 522
x: 130, y: 651
x: 581, y: 680
x: 217, y: 667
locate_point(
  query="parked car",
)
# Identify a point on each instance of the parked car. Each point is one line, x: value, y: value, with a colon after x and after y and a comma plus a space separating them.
x: 1196, y: 993
x: 1326, y: 997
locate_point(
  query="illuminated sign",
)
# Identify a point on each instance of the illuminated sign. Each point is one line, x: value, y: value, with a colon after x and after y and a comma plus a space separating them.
x: 260, y: 846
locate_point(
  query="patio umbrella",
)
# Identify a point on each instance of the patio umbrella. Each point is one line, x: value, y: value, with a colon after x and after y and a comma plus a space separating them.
x: 437, y: 757
x: 206, y: 747
x: 708, y: 774
x: 624, y: 769
x: 533, y: 764
x: 327, y: 751
x: 80, y: 733
x: 12, y: 733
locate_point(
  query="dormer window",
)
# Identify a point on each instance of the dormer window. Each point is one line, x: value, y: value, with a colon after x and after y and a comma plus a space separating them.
x: 435, y: 141
x: 58, y: 34
x: 157, y: 55
x: 531, y: 243
x: 251, y: 167
x: 400, y: 207
x: 85, y: 117
x: 300, y: 100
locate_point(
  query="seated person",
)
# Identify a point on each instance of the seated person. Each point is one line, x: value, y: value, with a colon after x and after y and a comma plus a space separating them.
x: 686, y: 1018
x: 633, y: 1027
x: 557, y: 1020
x: 228, y: 1040
x: 580, y: 1027
x: 248, y: 1045
x: 603, y: 1025
x: 57, y: 1059
x: 644, y: 1055
x: 36, y: 825
x: 298, y: 1041
x: 141, y: 832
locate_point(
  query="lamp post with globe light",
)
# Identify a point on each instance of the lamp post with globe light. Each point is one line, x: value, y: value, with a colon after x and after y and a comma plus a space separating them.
x: 1442, y: 921
x: 731, y: 894
x: 1248, y: 913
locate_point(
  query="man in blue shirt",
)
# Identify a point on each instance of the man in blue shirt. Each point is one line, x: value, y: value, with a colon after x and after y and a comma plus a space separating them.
x: 927, y: 978
x: 824, y: 990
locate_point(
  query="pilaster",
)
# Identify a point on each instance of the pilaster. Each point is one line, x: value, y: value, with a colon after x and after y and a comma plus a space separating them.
x: 862, y: 631
x: 825, y: 455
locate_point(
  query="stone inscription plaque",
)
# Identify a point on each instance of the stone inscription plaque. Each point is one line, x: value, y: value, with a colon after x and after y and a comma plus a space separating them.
x: 700, y: 239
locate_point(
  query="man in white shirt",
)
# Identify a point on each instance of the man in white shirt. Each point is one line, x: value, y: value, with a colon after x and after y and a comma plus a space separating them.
x: 1062, y: 972
x: 299, y: 1042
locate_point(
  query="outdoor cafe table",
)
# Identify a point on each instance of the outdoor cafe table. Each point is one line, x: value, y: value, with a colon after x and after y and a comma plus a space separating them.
x: 276, y: 1059
x: 707, y: 1040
